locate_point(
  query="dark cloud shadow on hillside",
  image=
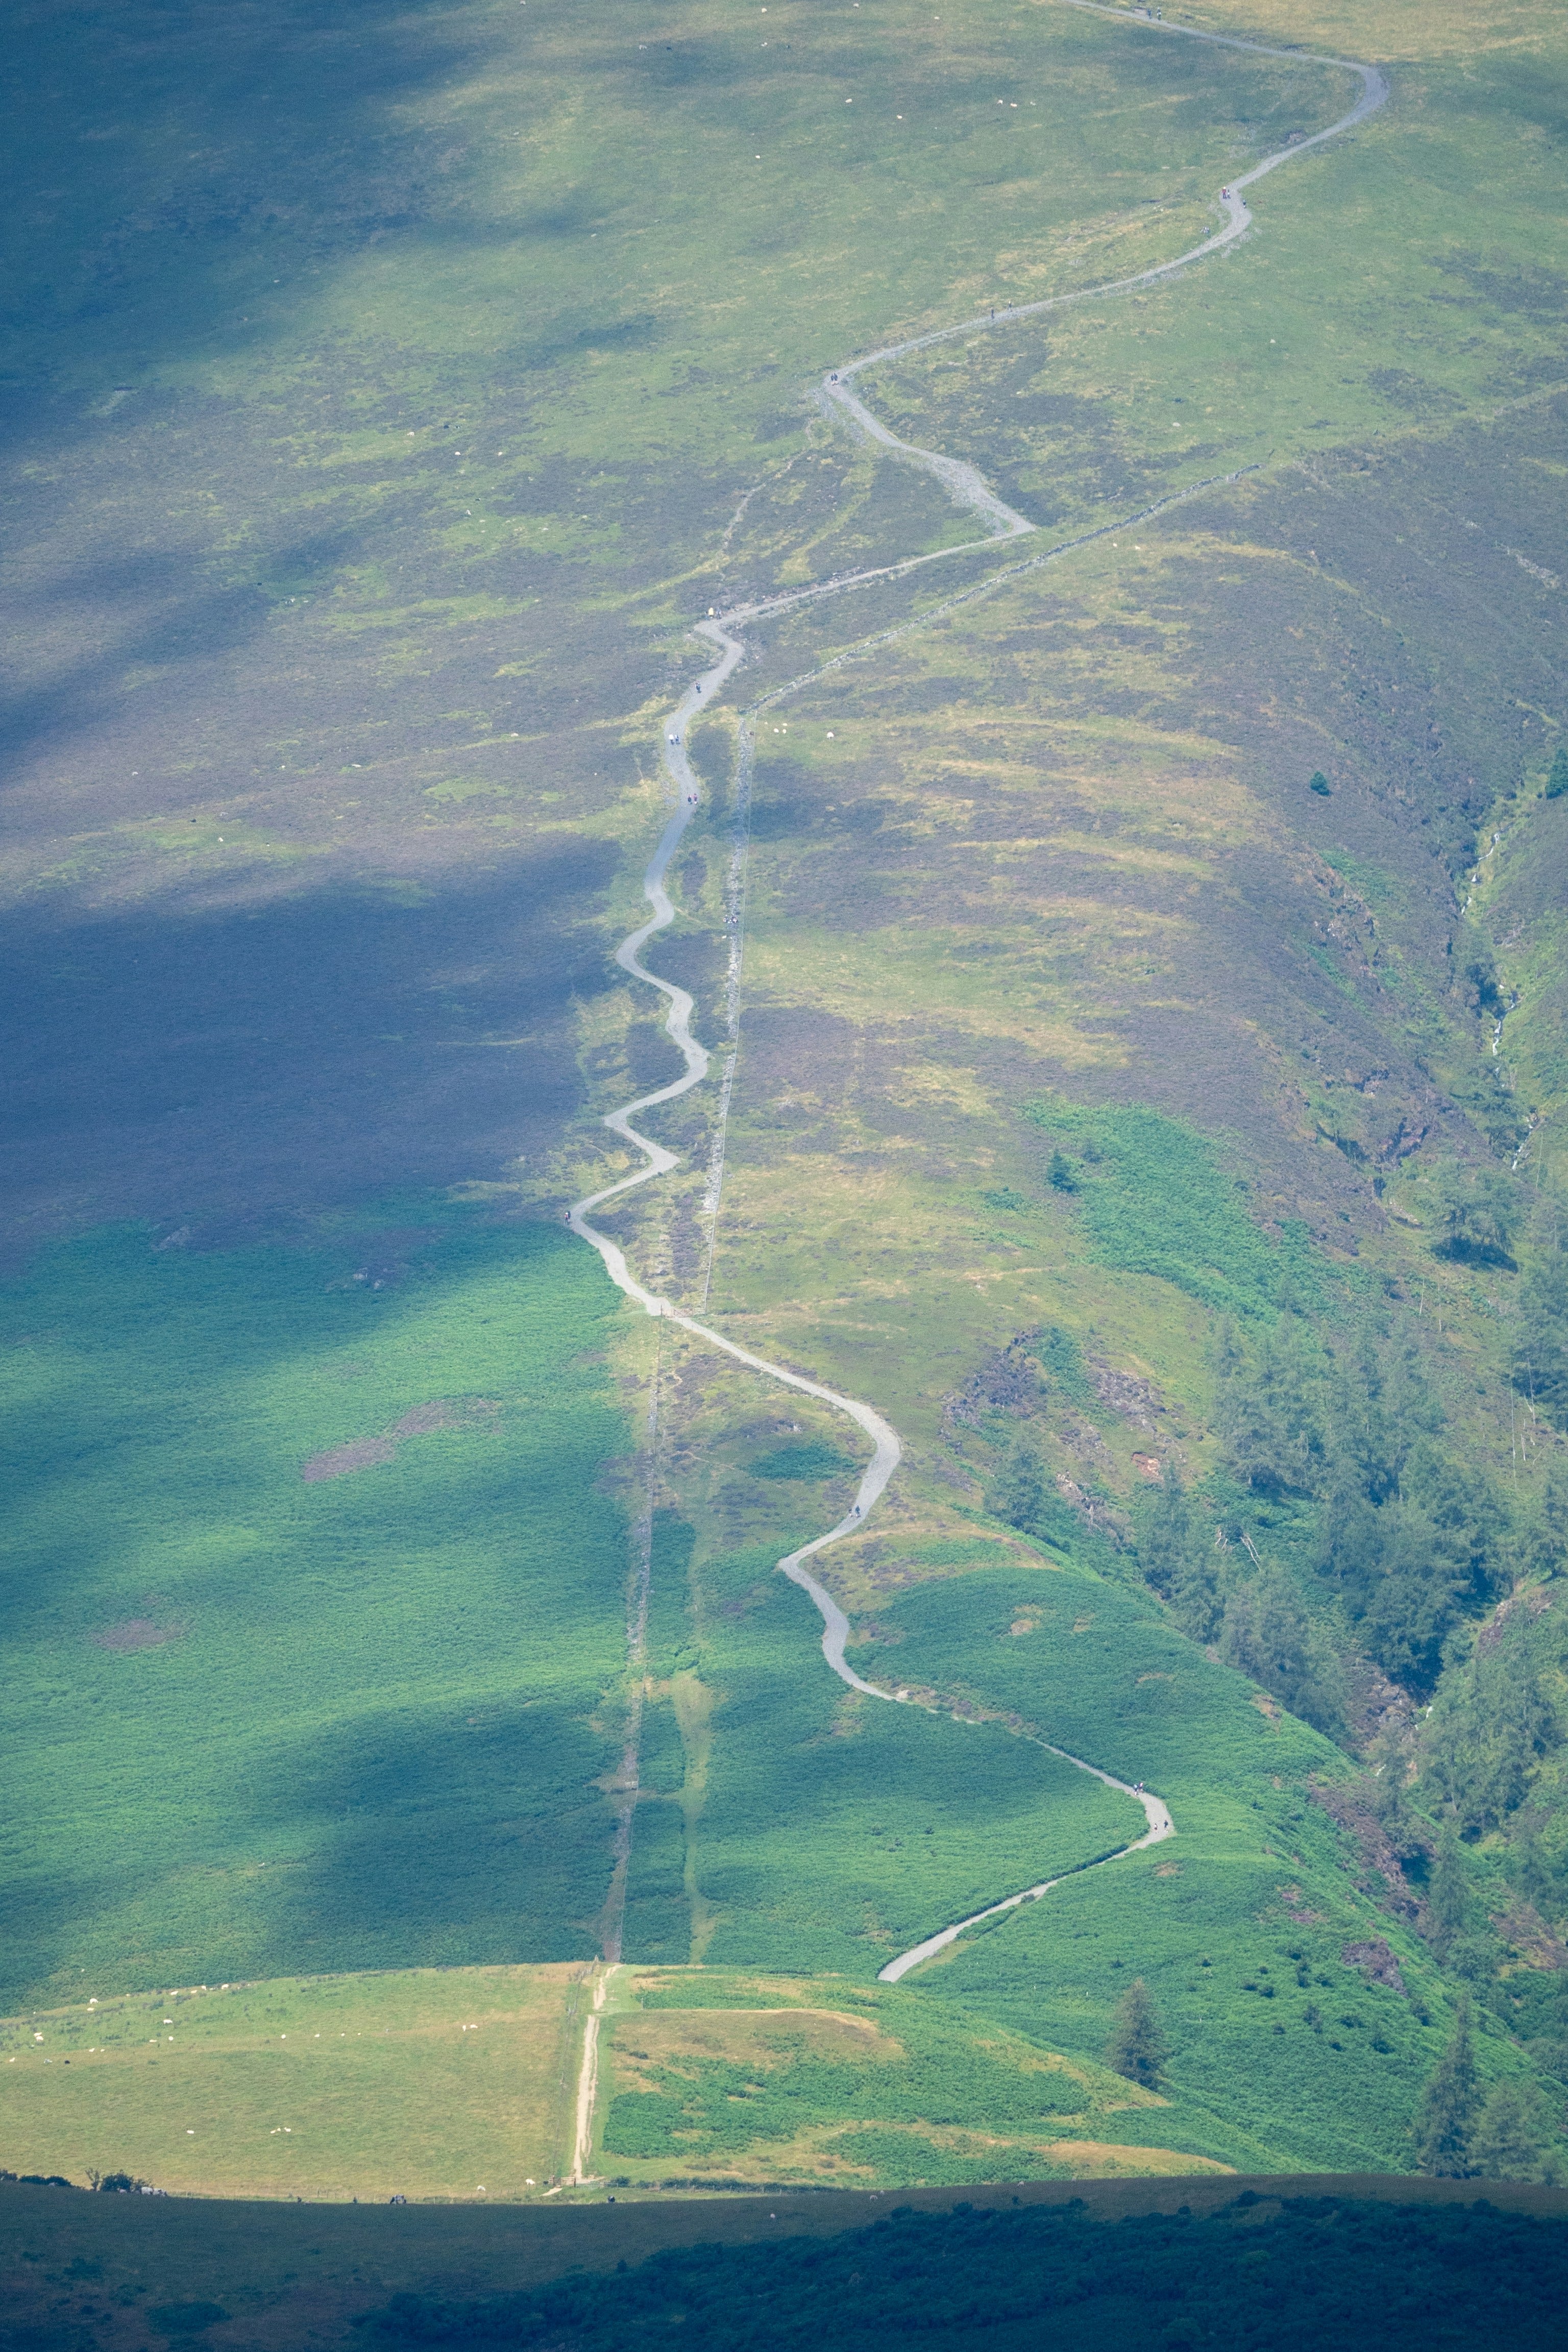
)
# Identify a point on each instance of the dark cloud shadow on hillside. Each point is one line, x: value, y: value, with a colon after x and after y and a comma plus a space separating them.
x: 1530, y: 89
x: 185, y: 177
x: 436, y: 1841
x: 416, y: 1842
x: 180, y: 143
x: 155, y: 609
x: 46, y: 1919
x: 177, y: 1062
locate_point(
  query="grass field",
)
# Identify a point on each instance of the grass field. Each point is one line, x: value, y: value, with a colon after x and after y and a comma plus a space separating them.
x: 407, y: 2082
x: 836, y: 2084
x: 327, y: 2088
x: 824, y: 1824
x: 313, y: 1612
x: 835, y: 1832
x: 1237, y: 1924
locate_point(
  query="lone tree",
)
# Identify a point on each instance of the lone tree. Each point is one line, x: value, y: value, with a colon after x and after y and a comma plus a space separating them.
x: 1557, y: 781
x: 1137, y: 2047
x: 1445, y: 2119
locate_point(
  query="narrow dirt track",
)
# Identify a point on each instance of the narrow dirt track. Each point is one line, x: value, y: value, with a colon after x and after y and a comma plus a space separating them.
x: 968, y: 488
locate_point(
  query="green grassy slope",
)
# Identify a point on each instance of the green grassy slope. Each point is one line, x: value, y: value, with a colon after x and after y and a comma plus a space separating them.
x: 442, y: 2084
x: 460, y: 2085
x: 1237, y: 1924
x: 261, y: 1721
x: 714, y: 2076
x: 1055, y: 861
x: 821, y: 1830
x: 834, y: 1831
x: 414, y: 371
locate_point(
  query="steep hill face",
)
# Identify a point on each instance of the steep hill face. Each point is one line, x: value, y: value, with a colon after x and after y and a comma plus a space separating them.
x: 1128, y: 1102
x: 1136, y: 984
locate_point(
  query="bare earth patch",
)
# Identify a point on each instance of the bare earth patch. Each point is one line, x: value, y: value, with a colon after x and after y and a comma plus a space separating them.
x: 419, y: 1421
x: 362, y: 1454
x: 138, y: 1634
x: 444, y: 1412
x: 1101, y: 2160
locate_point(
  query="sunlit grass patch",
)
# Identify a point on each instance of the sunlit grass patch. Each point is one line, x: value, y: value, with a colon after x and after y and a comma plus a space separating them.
x: 433, y: 2083
x: 711, y: 2074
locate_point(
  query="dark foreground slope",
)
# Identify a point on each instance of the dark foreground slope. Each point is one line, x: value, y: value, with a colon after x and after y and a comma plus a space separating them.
x: 1280, y: 2273
x: 1199, y: 2262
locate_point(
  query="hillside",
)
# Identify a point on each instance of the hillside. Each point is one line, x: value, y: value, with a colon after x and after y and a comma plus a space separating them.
x: 1129, y: 948
x: 414, y: 2082
x: 107, y: 2270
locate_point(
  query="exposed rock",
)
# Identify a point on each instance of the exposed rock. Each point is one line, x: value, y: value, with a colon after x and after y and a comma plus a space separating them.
x: 1379, y: 1858
x: 138, y: 1634
x: 342, y: 1460
x: 1532, y: 1598
x: 1008, y: 1379
x: 1136, y: 1401
x: 1405, y: 1139
x: 1538, y: 1945
x: 1376, y: 1963
x: 1378, y: 1709
x: 1084, y: 1440
x: 1098, y: 1514
x: 420, y: 1420
x: 445, y: 1413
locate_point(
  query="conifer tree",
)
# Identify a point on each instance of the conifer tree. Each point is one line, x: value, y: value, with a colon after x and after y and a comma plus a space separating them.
x: 1445, y: 2119
x: 1022, y: 1491
x: 1510, y: 2135
x: 1557, y: 781
x: 1137, y: 2048
x: 1540, y: 1351
x: 1165, y: 1532
x: 1448, y: 1894
x: 1176, y: 1553
x: 1267, y: 1634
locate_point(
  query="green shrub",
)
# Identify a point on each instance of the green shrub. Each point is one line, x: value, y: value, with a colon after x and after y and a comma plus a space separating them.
x: 1154, y: 1199
x: 813, y: 1460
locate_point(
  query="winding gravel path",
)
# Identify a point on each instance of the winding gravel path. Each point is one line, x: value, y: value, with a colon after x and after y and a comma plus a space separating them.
x: 968, y: 488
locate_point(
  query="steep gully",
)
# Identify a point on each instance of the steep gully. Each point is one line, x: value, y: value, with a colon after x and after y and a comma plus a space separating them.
x: 966, y: 486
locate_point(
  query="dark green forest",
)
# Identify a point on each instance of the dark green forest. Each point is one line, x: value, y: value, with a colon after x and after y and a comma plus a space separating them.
x: 1306, y: 2271
x: 1359, y: 1554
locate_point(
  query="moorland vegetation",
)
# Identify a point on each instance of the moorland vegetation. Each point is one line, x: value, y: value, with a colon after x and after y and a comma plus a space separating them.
x: 1152, y: 1048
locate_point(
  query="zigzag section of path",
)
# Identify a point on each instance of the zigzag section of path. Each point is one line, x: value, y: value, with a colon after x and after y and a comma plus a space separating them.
x: 967, y: 488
